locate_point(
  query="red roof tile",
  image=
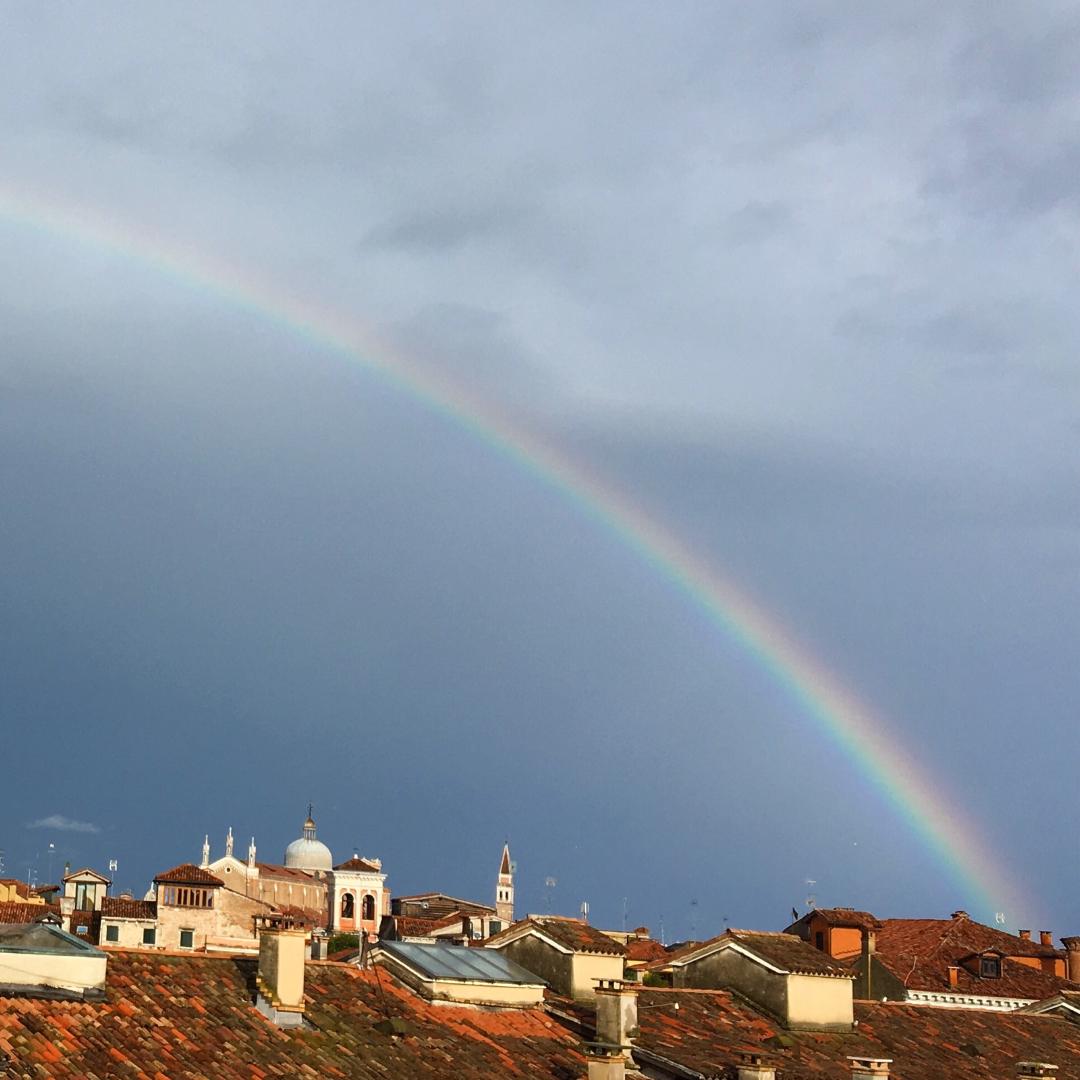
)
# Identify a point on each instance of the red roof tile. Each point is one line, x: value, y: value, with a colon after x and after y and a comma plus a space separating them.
x: 15, y: 912
x: 570, y: 933
x: 919, y: 952
x: 189, y: 874
x: 783, y: 950
x: 359, y: 865
x: 117, y: 907
x: 169, y: 1017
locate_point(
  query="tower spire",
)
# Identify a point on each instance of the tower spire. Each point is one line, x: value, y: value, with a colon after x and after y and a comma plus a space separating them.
x: 504, y: 888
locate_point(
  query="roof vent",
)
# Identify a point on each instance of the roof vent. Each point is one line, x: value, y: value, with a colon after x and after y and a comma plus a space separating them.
x: 869, y: 1068
x: 1035, y: 1068
x: 753, y: 1067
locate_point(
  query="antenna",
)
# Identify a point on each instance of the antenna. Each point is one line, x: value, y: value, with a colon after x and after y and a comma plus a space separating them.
x: 549, y: 888
x: 625, y: 912
x: 999, y: 918
x: 113, y: 866
x: 663, y: 941
x: 811, y: 899
x: 585, y: 911
x: 693, y: 919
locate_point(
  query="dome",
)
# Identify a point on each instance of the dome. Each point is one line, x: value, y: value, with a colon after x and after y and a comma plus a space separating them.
x: 307, y: 853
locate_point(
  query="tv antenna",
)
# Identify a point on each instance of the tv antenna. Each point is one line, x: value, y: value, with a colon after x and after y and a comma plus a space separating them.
x: 999, y: 918
x: 549, y: 888
x: 811, y: 899
x: 693, y: 919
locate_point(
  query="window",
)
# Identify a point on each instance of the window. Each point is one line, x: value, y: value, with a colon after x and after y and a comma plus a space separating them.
x: 112, y: 932
x: 819, y: 940
x: 187, y: 896
x: 149, y: 935
x: 990, y: 967
x: 85, y: 896
x: 348, y: 906
x: 494, y: 926
x: 369, y: 907
x: 187, y: 939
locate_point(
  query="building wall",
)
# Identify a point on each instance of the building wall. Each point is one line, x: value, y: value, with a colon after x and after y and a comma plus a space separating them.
x: 56, y: 969
x: 130, y: 933
x: 728, y: 968
x: 588, y: 967
x: 554, y: 967
x: 231, y: 917
x: 882, y: 982
x: 815, y: 1001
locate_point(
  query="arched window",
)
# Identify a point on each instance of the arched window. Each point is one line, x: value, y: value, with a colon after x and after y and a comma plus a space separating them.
x: 368, y: 907
x: 347, y: 907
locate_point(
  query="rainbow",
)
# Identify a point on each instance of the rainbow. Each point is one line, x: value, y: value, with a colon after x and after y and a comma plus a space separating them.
x: 862, y: 736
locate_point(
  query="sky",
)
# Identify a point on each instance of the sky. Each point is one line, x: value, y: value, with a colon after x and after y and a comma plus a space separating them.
x: 796, y: 281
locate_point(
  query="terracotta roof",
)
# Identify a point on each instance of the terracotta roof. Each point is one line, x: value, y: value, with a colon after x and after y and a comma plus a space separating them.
x: 117, y: 907
x: 645, y: 950
x: 712, y: 1028
x: 785, y: 951
x: 303, y: 916
x: 20, y: 887
x: 189, y: 874
x: 13, y: 912
x: 289, y: 873
x: 167, y: 1017
x: 919, y: 952
x: 570, y: 933
x: 359, y: 865
x: 841, y: 916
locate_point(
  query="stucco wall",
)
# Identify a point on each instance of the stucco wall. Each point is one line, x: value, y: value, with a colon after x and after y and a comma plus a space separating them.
x: 51, y: 969
x: 541, y: 959
x: 587, y: 968
x: 729, y: 968
x: 130, y: 933
x: 815, y: 1001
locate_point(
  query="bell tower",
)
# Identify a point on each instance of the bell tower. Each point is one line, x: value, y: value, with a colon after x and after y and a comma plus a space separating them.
x: 504, y: 889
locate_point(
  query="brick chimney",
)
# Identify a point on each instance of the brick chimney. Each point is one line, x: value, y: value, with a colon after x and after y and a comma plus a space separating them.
x: 1035, y: 1068
x: 1046, y: 937
x: 1024, y: 935
x: 869, y: 1068
x: 753, y: 1067
x: 280, y: 979
x: 954, y: 977
x: 1072, y: 946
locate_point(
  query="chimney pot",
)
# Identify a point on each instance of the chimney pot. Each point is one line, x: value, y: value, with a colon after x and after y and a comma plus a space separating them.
x: 867, y: 1068
x: 1025, y: 935
x: 954, y: 976
x: 1046, y: 937
x: 753, y: 1067
x: 960, y: 914
x: 1072, y: 946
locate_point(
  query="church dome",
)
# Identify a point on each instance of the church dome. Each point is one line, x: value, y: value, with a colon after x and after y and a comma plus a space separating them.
x: 308, y: 853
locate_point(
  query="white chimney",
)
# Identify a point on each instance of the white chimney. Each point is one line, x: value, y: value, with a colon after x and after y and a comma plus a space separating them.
x: 605, y: 1064
x: 280, y: 979
x: 753, y: 1067
x: 868, y: 1068
x: 1035, y: 1068
x: 616, y: 1013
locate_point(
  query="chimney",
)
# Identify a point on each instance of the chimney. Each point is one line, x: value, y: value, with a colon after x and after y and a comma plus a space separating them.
x: 616, y: 1013
x: 604, y: 1063
x: 1072, y: 946
x: 1046, y: 937
x: 1035, y: 1068
x: 280, y: 979
x: 320, y: 945
x: 753, y: 1067
x: 1025, y: 935
x: 954, y: 977
x: 869, y: 1068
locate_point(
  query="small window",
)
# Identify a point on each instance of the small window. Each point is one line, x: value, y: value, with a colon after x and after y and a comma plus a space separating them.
x: 990, y: 967
x: 368, y: 908
x: 187, y: 939
x: 819, y: 940
x: 494, y: 926
x: 112, y: 933
x: 149, y: 935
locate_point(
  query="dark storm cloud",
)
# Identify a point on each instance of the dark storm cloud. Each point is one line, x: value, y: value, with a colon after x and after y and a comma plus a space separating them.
x: 798, y: 281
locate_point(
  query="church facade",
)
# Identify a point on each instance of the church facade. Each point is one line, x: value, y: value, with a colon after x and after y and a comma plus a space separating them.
x: 306, y: 886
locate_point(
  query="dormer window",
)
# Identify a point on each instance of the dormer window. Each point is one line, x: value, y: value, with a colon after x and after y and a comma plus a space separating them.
x: 990, y: 967
x: 186, y: 896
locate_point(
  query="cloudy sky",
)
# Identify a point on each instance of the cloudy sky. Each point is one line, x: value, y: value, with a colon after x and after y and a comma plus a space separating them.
x: 797, y: 281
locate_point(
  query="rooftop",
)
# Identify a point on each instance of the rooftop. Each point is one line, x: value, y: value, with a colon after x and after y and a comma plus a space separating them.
x: 169, y: 1016
x: 189, y: 874
x: 460, y: 964
x: 785, y: 951
x: 572, y: 934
